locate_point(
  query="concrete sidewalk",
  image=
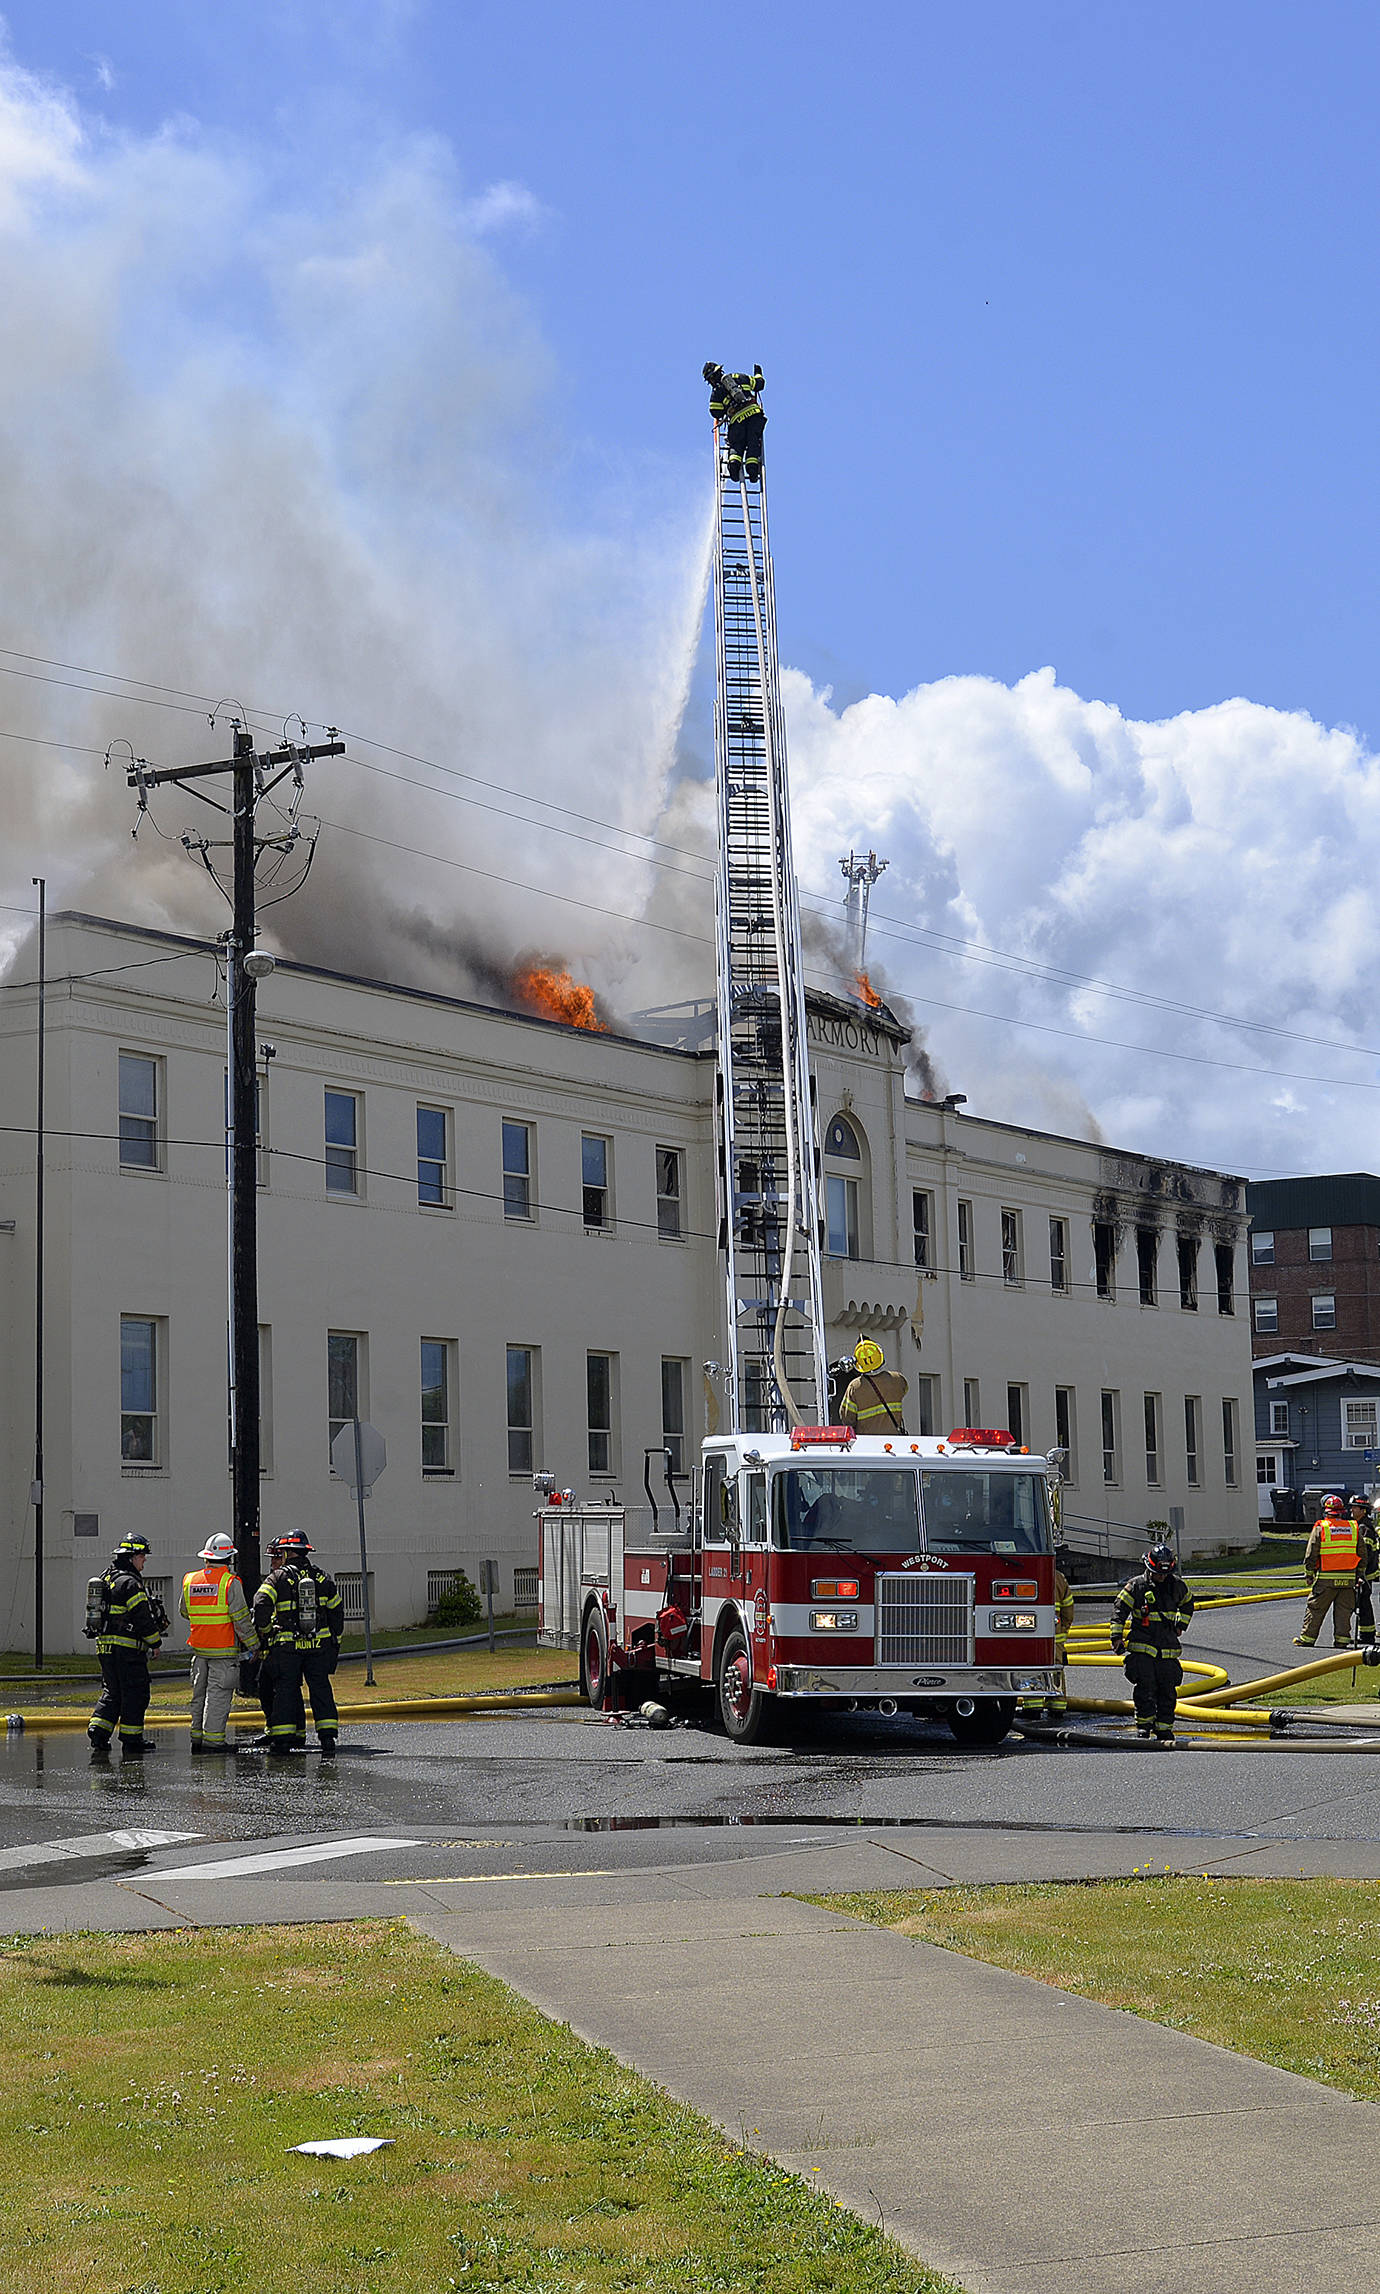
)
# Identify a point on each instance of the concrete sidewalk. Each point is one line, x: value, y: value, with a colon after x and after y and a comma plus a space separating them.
x: 1021, y: 2139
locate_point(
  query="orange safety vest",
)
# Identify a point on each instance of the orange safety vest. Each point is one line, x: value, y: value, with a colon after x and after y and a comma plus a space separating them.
x: 207, y: 1595
x: 1339, y: 1548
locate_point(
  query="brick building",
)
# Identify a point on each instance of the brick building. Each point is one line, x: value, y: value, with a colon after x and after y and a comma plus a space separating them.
x: 1315, y: 1266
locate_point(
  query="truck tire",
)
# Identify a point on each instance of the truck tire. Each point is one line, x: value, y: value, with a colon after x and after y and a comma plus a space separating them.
x: 594, y: 1657
x: 742, y: 1706
x: 988, y: 1724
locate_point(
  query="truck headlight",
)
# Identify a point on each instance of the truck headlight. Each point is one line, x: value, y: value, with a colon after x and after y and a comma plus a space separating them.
x: 1013, y: 1621
x: 833, y: 1620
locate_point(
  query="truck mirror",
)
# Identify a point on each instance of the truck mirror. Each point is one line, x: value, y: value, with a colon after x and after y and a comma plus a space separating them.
x: 728, y: 1511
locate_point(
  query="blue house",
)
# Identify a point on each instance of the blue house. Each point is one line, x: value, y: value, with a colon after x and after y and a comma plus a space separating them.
x: 1317, y: 1428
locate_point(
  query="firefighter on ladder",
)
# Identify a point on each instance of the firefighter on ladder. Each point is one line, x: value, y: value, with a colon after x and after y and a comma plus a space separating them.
x: 1330, y: 1562
x: 872, y: 1401
x: 736, y: 401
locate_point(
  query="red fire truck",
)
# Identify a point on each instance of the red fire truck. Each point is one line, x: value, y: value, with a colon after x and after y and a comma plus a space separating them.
x: 818, y: 1568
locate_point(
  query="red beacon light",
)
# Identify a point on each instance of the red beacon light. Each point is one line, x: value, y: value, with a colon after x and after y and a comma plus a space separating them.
x: 982, y: 1438
x: 823, y: 1437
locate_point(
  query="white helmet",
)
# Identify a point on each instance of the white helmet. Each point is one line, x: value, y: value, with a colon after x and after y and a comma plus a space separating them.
x: 218, y: 1548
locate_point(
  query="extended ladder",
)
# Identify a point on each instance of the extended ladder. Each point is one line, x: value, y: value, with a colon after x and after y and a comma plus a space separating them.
x: 768, y: 1167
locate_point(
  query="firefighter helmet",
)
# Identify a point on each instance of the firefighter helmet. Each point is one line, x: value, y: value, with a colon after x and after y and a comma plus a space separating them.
x: 218, y: 1548
x: 292, y: 1541
x: 711, y: 372
x: 1334, y: 1508
x: 1160, y: 1560
x: 129, y: 1545
x: 868, y: 1356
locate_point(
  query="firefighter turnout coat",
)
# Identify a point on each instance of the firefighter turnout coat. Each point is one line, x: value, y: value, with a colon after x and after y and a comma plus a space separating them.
x: 872, y: 1402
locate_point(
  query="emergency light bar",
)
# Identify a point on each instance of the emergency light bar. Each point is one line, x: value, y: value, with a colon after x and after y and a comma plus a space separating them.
x: 983, y: 1437
x: 823, y: 1437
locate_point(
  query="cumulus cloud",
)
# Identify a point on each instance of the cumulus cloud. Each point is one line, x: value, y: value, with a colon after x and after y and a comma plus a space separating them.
x: 1218, y: 863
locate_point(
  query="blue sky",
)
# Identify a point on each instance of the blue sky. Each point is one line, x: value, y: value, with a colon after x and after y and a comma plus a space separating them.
x: 1069, y: 310
x: 353, y: 366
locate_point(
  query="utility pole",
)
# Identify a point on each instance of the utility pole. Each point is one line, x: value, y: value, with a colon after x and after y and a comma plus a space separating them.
x: 253, y: 775
x: 37, y: 1491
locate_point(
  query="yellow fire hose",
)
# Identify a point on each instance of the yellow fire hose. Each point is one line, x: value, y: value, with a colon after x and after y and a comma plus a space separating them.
x: 39, y: 1719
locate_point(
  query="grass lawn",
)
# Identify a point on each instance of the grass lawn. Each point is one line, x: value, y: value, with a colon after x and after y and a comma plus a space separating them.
x: 1285, y: 1970
x: 153, y: 2085
x: 456, y: 1673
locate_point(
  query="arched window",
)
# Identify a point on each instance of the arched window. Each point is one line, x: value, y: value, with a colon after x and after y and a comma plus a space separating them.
x: 842, y: 1190
x: 842, y: 1140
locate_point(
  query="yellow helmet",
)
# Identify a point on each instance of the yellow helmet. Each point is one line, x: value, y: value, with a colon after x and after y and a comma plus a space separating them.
x: 868, y: 1355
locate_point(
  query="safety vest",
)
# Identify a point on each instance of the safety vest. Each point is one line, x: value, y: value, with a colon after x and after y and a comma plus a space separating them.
x: 1337, y: 1557
x: 206, y: 1599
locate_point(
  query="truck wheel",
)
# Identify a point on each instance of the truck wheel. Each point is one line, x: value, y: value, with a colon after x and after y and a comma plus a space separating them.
x: 986, y: 1724
x: 742, y: 1707
x: 594, y: 1657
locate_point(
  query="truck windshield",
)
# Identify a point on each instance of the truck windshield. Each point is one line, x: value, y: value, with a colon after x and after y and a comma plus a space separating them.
x: 976, y: 1512
x: 838, y: 1510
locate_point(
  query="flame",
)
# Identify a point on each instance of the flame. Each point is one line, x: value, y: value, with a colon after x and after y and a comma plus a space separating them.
x: 867, y: 992
x: 557, y: 996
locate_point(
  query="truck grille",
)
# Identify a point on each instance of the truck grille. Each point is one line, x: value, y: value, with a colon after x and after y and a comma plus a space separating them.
x: 924, y: 1620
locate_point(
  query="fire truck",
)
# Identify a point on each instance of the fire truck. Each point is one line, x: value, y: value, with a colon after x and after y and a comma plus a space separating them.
x: 810, y: 1566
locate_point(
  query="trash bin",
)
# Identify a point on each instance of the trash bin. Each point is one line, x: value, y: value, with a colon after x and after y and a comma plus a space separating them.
x: 1286, y: 1506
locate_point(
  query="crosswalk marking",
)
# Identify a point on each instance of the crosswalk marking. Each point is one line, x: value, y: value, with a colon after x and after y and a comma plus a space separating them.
x: 279, y: 1859
x: 85, y: 1844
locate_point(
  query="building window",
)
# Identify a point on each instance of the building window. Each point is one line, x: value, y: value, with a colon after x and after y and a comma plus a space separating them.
x: 521, y: 1409
x: 967, y: 1270
x: 1263, y: 1247
x: 517, y: 1170
x: 1359, y: 1428
x: 1188, y: 1273
x: 1229, y: 1440
x: 1193, y: 1439
x: 139, y: 1429
x: 1320, y: 1243
x: 599, y: 1382
x: 1152, y: 1439
x: 1059, y: 1254
x: 674, y: 1374
x: 1066, y: 1430
x: 1267, y: 1470
x: 138, y: 1112
x: 972, y: 1403
x: 1111, y: 1462
x: 1267, y: 1316
x: 1104, y: 1257
x: 921, y: 1215
x: 1012, y: 1272
x: 436, y: 1457
x: 594, y: 1175
x: 1324, y: 1310
x: 841, y: 1212
x: 433, y: 1158
x: 842, y: 1140
x: 1279, y: 1418
x: 344, y: 1386
x: 1225, y: 1254
x: 342, y: 1143
x: 1147, y: 1258
x: 926, y: 1405
x: 670, y: 1193
x: 1015, y: 1414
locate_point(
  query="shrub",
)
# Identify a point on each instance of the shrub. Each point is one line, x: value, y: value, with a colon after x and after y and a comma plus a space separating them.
x: 459, y: 1606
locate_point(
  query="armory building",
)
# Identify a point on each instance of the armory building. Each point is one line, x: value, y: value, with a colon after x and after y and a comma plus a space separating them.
x: 495, y: 1236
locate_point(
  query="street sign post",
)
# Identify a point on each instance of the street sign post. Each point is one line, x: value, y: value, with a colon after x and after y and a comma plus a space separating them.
x: 488, y: 1571
x: 359, y: 1454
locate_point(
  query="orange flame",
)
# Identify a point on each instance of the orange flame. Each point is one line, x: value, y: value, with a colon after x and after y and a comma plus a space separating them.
x: 556, y: 996
x: 867, y: 992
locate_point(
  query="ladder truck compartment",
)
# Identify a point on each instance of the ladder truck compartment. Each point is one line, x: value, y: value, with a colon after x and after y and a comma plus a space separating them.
x: 812, y: 1566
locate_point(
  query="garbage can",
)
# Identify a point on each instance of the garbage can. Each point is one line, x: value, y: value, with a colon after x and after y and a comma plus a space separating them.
x: 1286, y: 1505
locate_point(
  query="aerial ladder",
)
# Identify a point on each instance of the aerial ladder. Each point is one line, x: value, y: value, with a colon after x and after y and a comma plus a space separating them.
x: 769, y: 1188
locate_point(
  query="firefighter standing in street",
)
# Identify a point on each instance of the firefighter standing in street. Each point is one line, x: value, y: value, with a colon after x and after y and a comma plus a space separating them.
x: 297, y: 1614
x: 1054, y: 1707
x: 1330, y: 1563
x: 218, y: 1627
x: 872, y: 1401
x: 127, y: 1624
x: 1148, y: 1619
x: 1367, y: 1568
x: 735, y: 400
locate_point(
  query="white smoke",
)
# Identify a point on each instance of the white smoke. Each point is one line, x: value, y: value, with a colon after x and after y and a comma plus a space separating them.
x: 1223, y: 861
x: 276, y: 429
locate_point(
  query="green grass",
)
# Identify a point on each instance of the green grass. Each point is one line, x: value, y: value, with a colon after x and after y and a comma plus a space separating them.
x: 153, y: 2085
x: 1285, y: 1970
x: 1276, y: 1551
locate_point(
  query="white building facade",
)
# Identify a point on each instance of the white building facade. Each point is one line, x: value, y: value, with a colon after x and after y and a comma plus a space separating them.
x: 496, y: 1237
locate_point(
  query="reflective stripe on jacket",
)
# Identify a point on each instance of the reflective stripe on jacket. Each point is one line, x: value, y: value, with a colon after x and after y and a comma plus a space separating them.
x: 1152, y: 1615
x: 215, y: 1608
x: 1063, y: 1610
x: 330, y: 1611
x: 872, y: 1401
x: 129, y: 1620
x: 1338, y: 1548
